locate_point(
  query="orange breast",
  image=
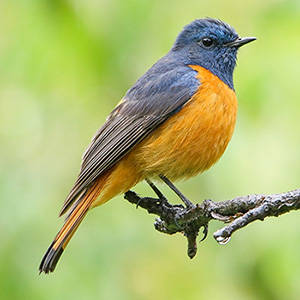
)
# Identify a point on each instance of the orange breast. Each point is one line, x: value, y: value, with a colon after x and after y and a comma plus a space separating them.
x: 187, y: 144
x: 193, y: 139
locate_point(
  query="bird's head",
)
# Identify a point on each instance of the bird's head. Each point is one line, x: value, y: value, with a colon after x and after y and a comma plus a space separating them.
x: 211, y: 44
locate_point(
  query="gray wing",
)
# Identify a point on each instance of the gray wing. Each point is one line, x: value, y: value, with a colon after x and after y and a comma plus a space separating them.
x: 145, y: 107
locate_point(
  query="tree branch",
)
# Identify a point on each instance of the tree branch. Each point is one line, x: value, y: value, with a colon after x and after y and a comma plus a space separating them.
x: 238, y: 212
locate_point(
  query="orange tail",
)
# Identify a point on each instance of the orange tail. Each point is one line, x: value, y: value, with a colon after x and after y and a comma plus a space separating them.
x: 72, y: 222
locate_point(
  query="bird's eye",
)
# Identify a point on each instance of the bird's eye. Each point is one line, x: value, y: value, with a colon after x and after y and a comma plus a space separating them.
x: 207, y: 42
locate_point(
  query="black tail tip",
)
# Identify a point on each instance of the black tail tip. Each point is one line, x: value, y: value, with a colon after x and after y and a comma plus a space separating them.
x: 50, y: 259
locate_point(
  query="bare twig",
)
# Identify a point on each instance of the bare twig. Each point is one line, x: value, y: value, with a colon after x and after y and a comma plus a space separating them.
x: 238, y: 212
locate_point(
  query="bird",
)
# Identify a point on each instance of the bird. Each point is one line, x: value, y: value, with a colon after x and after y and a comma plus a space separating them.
x: 174, y: 123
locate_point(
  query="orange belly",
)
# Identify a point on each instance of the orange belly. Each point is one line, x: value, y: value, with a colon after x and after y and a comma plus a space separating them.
x: 193, y: 139
x: 188, y: 143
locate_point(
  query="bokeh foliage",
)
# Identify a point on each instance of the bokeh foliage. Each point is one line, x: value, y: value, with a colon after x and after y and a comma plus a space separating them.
x: 63, y: 67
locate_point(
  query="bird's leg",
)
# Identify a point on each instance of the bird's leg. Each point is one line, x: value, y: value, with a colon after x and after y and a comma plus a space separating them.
x: 185, y: 200
x: 160, y: 195
x: 155, y: 189
x: 132, y: 197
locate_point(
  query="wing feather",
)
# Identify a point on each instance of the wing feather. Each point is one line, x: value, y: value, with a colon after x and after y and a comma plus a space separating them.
x: 145, y: 107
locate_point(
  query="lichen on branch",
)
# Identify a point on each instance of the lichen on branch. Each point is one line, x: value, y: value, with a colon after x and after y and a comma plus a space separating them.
x: 236, y: 214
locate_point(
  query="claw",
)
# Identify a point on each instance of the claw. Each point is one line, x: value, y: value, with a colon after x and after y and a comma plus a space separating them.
x: 205, y: 232
x: 138, y: 203
x: 180, y: 227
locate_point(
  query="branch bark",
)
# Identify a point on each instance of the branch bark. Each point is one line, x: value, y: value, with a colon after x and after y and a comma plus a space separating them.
x: 237, y: 213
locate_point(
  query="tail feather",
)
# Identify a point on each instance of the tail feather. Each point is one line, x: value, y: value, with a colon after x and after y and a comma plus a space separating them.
x: 61, y: 240
x: 72, y: 222
x: 50, y: 259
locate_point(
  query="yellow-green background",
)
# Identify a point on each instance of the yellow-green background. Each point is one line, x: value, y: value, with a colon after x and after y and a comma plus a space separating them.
x: 63, y: 67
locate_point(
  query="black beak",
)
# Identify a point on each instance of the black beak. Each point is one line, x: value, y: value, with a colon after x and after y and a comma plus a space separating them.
x: 240, y: 42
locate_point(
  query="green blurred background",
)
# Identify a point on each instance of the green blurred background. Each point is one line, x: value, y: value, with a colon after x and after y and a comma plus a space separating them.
x: 63, y: 67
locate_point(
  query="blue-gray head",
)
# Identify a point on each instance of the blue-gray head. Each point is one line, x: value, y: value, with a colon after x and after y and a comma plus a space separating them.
x: 211, y: 44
